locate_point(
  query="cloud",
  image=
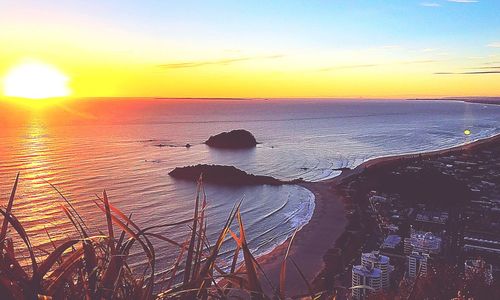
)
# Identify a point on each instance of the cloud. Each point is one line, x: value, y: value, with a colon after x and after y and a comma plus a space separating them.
x: 430, y: 4
x: 490, y: 68
x: 228, y: 61
x: 376, y: 65
x: 464, y: 1
x: 468, y: 73
x: 494, y: 45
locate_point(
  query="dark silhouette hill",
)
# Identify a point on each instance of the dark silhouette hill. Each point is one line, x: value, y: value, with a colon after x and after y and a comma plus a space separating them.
x: 228, y: 175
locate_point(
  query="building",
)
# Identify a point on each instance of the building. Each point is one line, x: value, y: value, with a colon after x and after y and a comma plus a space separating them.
x: 407, y: 248
x: 365, y: 280
x: 375, y: 260
x: 376, y: 198
x: 391, y: 241
x: 432, y: 217
x: 417, y: 264
x: 424, y: 242
x: 484, y: 245
x: 478, y: 267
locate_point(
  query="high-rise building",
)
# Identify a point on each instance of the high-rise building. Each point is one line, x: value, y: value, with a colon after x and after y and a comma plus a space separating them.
x: 407, y: 246
x: 375, y: 260
x: 417, y: 264
x: 424, y: 242
x: 365, y: 280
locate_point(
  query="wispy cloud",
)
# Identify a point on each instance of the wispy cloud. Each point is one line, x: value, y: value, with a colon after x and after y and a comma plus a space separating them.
x: 376, y: 65
x: 494, y: 45
x: 468, y: 73
x: 464, y: 1
x: 430, y: 4
x: 486, y: 68
x: 227, y: 61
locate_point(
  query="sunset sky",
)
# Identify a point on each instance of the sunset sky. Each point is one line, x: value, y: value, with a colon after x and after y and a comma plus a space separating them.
x: 379, y: 48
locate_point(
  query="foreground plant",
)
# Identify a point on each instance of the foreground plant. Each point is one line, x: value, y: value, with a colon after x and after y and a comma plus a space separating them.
x: 95, y: 266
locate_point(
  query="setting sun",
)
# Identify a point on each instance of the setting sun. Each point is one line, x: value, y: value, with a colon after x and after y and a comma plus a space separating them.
x: 35, y: 80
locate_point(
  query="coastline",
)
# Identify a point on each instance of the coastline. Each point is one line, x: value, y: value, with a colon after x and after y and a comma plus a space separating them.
x: 329, y: 221
x: 311, y: 241
x: 474, y: 100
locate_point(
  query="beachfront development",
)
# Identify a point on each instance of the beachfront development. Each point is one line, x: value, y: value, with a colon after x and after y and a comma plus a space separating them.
x: 435, y: 217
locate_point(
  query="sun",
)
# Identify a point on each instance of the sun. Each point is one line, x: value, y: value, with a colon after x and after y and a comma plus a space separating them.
x: 35, y: 80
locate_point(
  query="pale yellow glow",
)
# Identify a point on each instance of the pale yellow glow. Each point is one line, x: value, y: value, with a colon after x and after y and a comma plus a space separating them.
x: 35, y: 80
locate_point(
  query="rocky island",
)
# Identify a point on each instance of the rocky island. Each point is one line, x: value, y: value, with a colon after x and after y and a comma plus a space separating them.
x: 228, y: 175
x: 234, y: 139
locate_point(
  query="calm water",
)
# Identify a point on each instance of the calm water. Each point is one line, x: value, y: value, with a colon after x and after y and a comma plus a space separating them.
x: 86, y: 146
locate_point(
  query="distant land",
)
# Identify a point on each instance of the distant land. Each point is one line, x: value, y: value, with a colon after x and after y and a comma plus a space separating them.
x: 483, y: 100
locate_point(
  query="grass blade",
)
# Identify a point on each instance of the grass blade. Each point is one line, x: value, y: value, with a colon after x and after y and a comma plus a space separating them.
x: 109, y: 223
x: 309, y: 287
x: 201, y: 233
x: 24, y: 236
x: 190, y: 253
x: 283, y: 268
x: 52, y: 258
x: 5, y: 223
x: 201, y: 279
x: 253, y: 280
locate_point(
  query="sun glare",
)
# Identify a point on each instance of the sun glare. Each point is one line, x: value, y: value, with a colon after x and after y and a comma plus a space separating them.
x: 35, y: 80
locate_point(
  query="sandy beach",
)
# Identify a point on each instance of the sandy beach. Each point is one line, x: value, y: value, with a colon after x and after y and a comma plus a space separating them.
x: 312, y: 241
x: 329, y: 220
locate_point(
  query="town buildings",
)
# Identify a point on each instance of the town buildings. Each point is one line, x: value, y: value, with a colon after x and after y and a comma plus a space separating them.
x: 365, y: 280
x: 417, y: 264
x: 372, y: 275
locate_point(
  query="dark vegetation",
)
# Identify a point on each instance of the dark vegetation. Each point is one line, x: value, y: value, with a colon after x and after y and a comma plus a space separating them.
x: 443, y: 281
x: 427, y: 186
x: 234, y: 139
x: 95, y: 266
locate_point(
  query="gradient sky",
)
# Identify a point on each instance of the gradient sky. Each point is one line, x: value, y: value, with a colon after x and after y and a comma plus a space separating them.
x: 260, y: 48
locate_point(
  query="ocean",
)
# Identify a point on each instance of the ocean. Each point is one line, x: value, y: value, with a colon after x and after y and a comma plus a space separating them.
x: 128, y: 146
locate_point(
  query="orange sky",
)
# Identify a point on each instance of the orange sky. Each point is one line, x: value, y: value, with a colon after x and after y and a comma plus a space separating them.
x: 198, y: 50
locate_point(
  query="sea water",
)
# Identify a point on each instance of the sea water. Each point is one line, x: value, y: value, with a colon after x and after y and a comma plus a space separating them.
x: 128, y: 146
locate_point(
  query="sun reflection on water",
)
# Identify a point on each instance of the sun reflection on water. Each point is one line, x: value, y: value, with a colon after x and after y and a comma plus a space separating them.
x: 36, y: 205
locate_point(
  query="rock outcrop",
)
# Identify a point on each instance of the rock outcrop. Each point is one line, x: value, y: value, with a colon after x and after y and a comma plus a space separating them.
x: 234, y: 139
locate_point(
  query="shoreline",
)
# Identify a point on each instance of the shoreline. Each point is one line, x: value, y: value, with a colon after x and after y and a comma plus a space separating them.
x: 323, y: 229
x: 473, y: 100
x: 329, y: 221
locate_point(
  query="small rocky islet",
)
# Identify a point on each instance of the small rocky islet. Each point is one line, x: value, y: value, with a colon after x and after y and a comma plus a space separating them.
x: 234, y: 139
x: 228, y: 175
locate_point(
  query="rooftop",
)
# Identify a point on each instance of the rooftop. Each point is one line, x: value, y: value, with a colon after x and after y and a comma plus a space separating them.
x: 391, y: 241
x: 425, y: 239
x: 375, y: 257
x: 366, y: 272
x: 432, y: 217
